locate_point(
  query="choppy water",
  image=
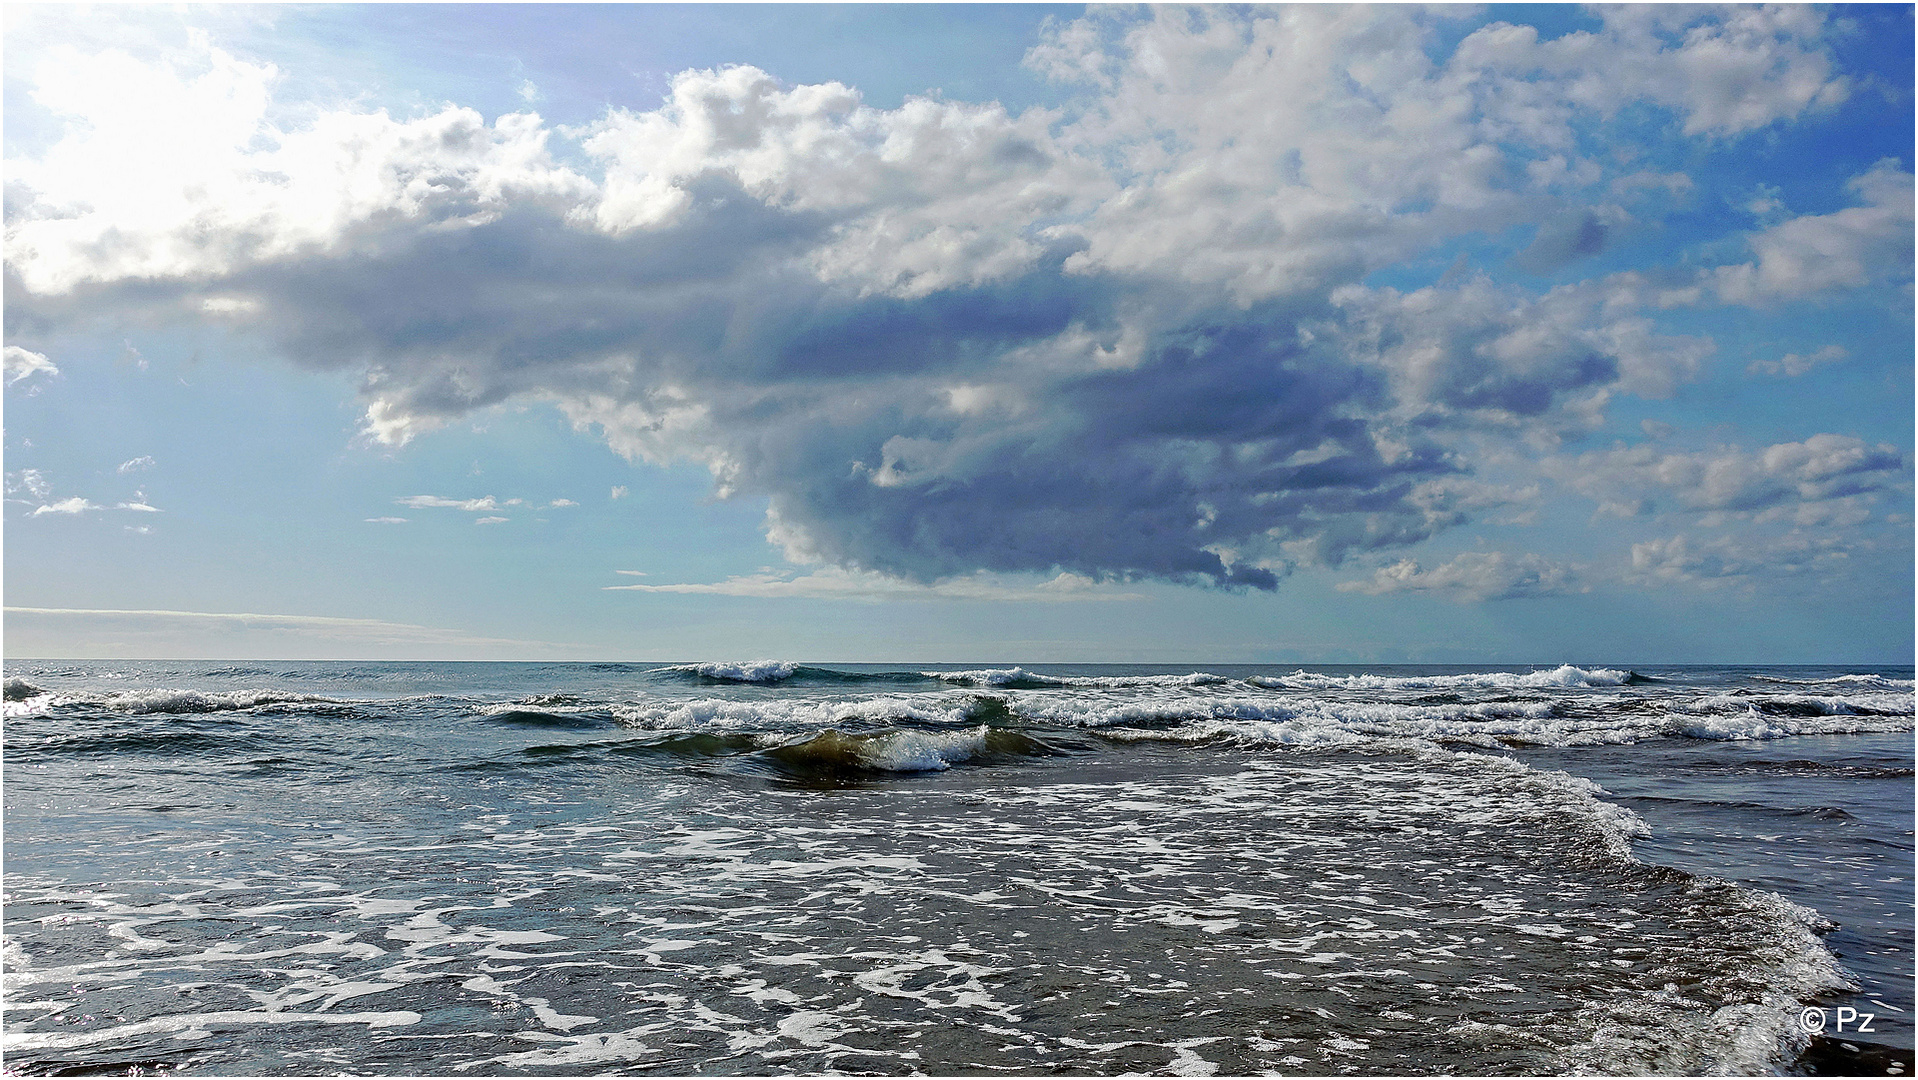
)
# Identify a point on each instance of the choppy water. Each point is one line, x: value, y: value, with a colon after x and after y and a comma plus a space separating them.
x: 751, y: 868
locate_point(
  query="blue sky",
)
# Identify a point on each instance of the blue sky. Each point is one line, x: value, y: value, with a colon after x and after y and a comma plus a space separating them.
x: 1519, y: 334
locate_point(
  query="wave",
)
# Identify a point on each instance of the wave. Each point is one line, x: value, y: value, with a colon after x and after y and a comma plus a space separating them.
x: 1799, y: 704
x: 750, y: 671
x: 138, y: 702
x: 834, y: 753
x: 1861, y: 680
x: 534, y: 718
x: 1018, y: 678
x: 1282, y: 722
x: 775, y: 672
x: 728, y: 714
x: 1565, y: 675
x: 18, y: 689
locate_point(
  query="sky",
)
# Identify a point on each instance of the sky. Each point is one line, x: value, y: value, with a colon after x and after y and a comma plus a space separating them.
x: 1021, y: 333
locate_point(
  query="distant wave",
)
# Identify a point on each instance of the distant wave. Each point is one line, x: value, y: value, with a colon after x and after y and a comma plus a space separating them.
x: 1017, y: 678
x: 1862, y: 680
x: 1565, y: 675
x: 781, y: 672
x: 31, y: 700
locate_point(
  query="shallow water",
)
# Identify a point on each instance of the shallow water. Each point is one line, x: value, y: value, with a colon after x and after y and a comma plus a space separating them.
x: 446, y: 868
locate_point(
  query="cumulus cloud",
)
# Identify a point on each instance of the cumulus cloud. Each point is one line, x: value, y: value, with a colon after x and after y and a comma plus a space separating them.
x: 1823, y: 478
x: 1474, y: 576
x: 1134, y: 337
x: 1499, y: 356
x: 221, y: 186
x: 74, y: 505
x: 1817, y: 254
x: 1719, y: 561
x: 135, y: 465
x: 23, y: 363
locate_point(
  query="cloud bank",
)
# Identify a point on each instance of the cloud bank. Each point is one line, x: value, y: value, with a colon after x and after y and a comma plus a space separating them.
x: 1135, y: 337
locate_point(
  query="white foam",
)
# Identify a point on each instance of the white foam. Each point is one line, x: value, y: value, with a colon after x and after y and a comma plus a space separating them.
x: 727, y: 714
x: 35, y: 1040
x: 1565, y: 675
x: 166, y: 701
x: 1894, y: 704
x: 995, y: 677
x: 746, y: 671
x: 922, y: 751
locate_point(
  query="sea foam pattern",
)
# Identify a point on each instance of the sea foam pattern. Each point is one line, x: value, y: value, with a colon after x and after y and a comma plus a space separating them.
x: 772, y: 866
x: 989, y: 928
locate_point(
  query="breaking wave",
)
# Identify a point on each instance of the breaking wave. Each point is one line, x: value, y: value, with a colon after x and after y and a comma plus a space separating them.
x: 1565, y: 675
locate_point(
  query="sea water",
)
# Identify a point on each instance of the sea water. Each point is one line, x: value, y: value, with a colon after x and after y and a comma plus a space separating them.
x: 767, y: 867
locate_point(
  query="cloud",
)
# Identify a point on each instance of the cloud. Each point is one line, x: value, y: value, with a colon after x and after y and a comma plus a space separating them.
x: 31, y: 481
x: 1474, y: 576
x: 24, y: 363
x: 1805, y: 480
x: 1739, y: 72
x: 75, y: 505
x: 492, y: 521
x: 139, y: 506
x: 221, y: 186
x: 836, y: 584
x: 1138, y: 336
x: 1818, y: 254
x: 386, y: 520
x: 1721, y: 561
x: 1570, y: 237
x: 423, y: 502
x: 1793, y: 365
x: 557, y: 503
x: 135, y: 465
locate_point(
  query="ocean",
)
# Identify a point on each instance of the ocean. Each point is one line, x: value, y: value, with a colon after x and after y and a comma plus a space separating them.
x: 471, y: 869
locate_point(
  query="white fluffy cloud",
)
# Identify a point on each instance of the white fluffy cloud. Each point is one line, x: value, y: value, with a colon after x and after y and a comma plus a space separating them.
x: 1136, y: 336
x: 74, y: 505
x: 1815, y: 254
x: 221, y: 187
x: 23, y: 363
